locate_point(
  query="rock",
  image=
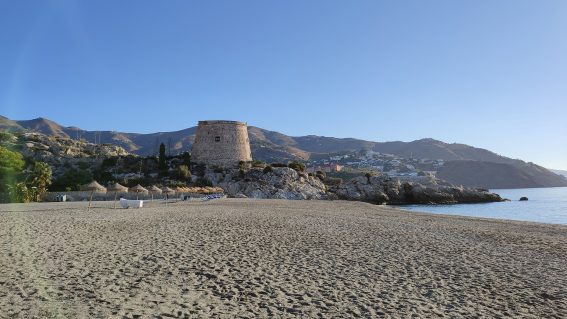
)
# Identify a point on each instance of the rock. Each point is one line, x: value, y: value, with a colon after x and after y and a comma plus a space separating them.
x: 280, y: 183
x: 382, y: 189
x: 523, y: 198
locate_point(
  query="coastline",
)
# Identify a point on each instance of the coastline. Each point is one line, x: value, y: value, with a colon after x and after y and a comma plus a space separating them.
x: 266, y: 258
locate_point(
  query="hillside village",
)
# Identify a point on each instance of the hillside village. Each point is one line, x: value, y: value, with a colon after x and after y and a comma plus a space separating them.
x: 372, y: 161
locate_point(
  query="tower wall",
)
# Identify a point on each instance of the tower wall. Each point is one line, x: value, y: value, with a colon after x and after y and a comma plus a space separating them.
x: 223, y: 143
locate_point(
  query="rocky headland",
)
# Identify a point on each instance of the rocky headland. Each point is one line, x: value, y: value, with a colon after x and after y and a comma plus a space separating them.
x: 287, y: 183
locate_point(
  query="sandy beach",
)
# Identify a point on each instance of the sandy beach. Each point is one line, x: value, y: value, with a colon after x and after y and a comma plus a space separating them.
x: 274, y: 258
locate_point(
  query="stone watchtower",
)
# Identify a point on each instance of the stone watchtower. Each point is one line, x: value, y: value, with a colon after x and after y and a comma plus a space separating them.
x: 222, y: 143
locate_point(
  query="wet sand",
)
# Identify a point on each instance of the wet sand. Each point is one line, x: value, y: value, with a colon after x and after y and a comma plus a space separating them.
x: 273, y: 258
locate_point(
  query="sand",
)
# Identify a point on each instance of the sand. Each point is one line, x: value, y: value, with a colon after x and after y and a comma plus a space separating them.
x: 272, y: 258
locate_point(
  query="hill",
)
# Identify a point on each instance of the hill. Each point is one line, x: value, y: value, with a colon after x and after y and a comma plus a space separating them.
x: 271, y: 146
x: 498, y: 175
x: 559, y: 172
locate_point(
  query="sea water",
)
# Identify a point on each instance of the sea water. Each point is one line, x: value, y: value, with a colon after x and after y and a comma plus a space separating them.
x: 544, y: 205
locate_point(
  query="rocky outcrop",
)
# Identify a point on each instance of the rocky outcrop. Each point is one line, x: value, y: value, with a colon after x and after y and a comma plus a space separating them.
x: 279, y: 183
x: 286, y: 183
x: 386, y: 190
x: 62, y: 153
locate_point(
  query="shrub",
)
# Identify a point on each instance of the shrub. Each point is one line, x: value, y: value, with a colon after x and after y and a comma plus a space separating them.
x: 332, y: 181
x: 199, y: 170
x: 203, y: 182
x: 268, y: 169
x: 73, y: 179
x: 83, y: 165
x: 183, y: 172
x: 20, y: 193
x: 110, y: 161
x: 297, y: 166
x: 278, y: 165
x: 258, y: 164
x: 186, y: 158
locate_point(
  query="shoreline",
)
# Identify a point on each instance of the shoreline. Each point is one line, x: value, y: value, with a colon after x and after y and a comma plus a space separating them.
x: 157, y: 203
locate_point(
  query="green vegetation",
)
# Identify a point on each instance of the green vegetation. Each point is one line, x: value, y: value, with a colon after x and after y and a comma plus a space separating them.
x: 332, y: 181
x: 203, y: 182
x: 186, y: 158
x: 268, y: 169
x: 40, y: 180
x: 258, y: 164
x: 183, y: 173
x: 11, y: 166
x: 162, y: 164
x: 11, y: 163
x: 300, y: 167
x: 18, y: 186
x: 72, y: 179
x: 199, y: 169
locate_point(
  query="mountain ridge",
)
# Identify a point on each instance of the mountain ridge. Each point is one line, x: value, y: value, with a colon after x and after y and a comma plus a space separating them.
x: 273, y: 146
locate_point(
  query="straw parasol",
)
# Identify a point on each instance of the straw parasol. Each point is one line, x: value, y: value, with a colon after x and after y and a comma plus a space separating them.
x: 117, y: 188
x: 138, y: 189
x: 154, y: 190
x: 93, y: 187
x: 167, y: 191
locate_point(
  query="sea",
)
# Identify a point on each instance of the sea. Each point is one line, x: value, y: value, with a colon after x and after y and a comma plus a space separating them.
x: 544, y: 205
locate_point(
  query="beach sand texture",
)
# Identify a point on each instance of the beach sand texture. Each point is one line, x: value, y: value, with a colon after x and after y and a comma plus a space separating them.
x: 274, y: 258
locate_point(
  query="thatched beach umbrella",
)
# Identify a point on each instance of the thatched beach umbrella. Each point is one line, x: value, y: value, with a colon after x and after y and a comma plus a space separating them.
x: 117, y: 188
x: 138, y: 189
x: 167, y: 191
x: 93, y: 187
x: 154, y: 190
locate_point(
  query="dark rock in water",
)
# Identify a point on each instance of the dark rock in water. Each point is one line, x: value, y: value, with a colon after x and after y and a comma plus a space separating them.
x: 523, y: 198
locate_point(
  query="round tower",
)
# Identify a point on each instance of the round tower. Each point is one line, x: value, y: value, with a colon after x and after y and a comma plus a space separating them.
x: 222, y: 143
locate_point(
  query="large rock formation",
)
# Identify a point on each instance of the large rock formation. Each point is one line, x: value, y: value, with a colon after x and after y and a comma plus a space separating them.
x: 286, y: 183
x: 61, y: 153
x: 279, y: 183
x: 386, y: 190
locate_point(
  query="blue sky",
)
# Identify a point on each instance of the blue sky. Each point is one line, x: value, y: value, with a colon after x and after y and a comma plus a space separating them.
x: 492, y: 74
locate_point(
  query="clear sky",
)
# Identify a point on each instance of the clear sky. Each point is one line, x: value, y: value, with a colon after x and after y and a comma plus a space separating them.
x: 492, y: 74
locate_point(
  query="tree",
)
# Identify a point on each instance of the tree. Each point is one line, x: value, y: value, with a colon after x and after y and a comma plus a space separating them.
x: 187, y: 158
x: 161, y: 160
x: 11, y: 166
x: 10, y: 162
x: 40, y: 179
x: 73, y: 179
x: 183, y: 172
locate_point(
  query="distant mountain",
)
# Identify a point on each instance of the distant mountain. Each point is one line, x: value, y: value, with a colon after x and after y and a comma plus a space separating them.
x: 499, y: 175
x: 559, y: 172
x: 468, y: 166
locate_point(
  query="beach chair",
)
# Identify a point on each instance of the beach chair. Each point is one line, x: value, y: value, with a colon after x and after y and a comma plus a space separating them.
x: 123, y: 203
x: 126, y: 203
